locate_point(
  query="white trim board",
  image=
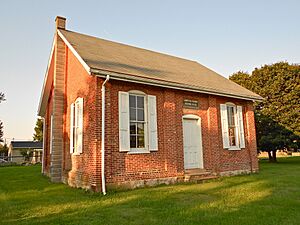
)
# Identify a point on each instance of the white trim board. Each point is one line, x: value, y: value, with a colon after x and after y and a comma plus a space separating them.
x: 46, y: 75
x: 83, y: 63
x: 114, y: 76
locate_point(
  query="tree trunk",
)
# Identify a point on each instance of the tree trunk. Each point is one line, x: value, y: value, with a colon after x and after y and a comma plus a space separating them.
x: 272, y: 156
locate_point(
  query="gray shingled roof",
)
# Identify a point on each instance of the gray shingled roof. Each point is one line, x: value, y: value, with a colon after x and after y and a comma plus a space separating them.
x: 27, y: 144
x: 137, y: 62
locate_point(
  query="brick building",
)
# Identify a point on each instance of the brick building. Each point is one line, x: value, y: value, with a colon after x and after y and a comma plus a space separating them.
x: 120, y: 115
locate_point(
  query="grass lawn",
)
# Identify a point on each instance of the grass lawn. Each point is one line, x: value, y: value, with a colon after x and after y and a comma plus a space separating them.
x: 270, y: 197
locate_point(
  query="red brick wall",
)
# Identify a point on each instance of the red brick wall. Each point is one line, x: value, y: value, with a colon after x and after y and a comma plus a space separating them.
x: 46, y: 153
x: 47, y: 135
x: 84, y: 170
x: 122, y: 167
x: 78, y: 170
x: 81, y: 169
x: 168, y: 160
x: 240, y: 159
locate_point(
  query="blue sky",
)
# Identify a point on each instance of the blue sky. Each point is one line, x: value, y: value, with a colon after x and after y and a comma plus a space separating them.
x: 226, y: 36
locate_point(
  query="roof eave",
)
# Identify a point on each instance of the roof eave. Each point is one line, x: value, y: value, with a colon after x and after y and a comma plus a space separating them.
x: 168, y: 84
x: 43, y: 97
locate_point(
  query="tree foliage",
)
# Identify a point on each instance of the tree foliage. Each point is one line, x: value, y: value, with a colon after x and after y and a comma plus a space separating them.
x: 242, y: 78
x: 26, y: 154
x: 278, y: 116
x: 4, y: 149
x: 38, y: 130
x: 2, y: 98
x: 1, y: 131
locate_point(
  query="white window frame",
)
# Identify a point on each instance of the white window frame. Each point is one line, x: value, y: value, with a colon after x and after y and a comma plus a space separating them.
x: 146, y: 148
x: 75, y: 126
x: 236, y: 127
x: 150, y: 115
x: 239, y: 126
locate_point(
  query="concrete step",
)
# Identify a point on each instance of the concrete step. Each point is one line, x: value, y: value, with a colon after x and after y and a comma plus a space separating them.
x: 198, y: 175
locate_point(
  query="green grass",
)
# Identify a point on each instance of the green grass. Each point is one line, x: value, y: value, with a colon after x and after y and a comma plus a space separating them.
x: 270, y: 197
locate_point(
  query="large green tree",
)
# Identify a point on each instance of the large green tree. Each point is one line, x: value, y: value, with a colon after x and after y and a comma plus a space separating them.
x: 278, y: 115
x: 38, y: 130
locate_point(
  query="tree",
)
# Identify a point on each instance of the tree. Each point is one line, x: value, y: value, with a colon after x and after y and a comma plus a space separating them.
x: 242, y: 78
x: 271, y: 136
x: 2, y: 98
x: 278, y: 116
x: 38, y: 130
x: 26, y: 154
x: 1, y: 131
x: 4, y: 150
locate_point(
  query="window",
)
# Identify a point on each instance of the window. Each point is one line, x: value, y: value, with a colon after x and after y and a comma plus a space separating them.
x: 76, y: 126
x: 232, y: 126
x: 137, y: 121
x: 231, y: 113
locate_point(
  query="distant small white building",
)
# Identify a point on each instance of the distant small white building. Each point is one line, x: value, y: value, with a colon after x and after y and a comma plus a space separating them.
x: 34, y: 150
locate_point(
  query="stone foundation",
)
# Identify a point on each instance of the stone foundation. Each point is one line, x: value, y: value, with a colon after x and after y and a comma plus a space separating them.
x: 142, y: 183
x: 77, y: 179
x: 234, y: 173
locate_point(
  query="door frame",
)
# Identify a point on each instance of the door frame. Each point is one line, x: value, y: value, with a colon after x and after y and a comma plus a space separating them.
x: 194, y: 117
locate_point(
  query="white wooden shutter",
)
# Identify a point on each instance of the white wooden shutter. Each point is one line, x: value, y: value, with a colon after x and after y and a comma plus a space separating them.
x: 72, y: 128
x: 152, y: 123
x: 124, y: 136
x: 79, y: 131
x: 224, y: 122
x: 241, y: 126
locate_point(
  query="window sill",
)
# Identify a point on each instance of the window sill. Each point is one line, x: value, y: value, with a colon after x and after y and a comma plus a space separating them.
x: 234, y: 148
x: 75, y: 153
x: 135, y: 151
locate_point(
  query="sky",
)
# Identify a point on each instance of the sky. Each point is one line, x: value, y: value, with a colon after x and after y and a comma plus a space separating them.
x: 226, y: 36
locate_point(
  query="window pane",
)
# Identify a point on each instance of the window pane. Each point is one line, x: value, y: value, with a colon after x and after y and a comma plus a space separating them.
x: 132, y: 141
x: 132, y: 101
x: 232, y: 136
x: 141, y: 142
x: 230, y: 113
x: 132, y: 114
x: 140, y: 102
x: 132, y: 128
x: 140, y: 115
x: 140, y: 128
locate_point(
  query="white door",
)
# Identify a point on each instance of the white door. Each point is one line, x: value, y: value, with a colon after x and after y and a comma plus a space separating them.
x: 192, y: 143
